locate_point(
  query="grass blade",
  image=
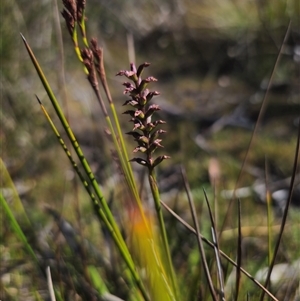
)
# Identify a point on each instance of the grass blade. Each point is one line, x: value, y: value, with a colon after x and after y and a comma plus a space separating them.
x: 239, y: 254
x: 199, y: 237
x: 216, y: 246
x: 17, y: 229
x: 50, y: 284
x: 224, y: 255
x: 219, y: 266
x: 118, y: 139
x: 156, y: 197
x: 285, y: 213
x: 16, y: 203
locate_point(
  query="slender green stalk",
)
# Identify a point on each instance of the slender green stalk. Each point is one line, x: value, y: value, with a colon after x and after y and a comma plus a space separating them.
x: 81, y: 19
x: 162, y: 227
x: 269, y: 217
x: 214, y: 235
x: 127, y: 165
x: 239, y: 253
x: 285, y: 213
x: 117, y: 138
x: 121, y: 149
x: 224, y: 255
x: 198, y: 233
x: 98, y: 52
x: 76, y: 47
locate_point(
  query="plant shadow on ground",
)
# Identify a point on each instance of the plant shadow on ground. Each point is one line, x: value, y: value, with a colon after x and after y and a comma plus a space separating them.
x: 212, y: 82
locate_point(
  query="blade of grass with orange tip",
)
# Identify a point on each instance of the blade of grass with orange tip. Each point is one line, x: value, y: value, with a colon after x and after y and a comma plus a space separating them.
x: 100, y: 212
x: 285, y: 213
x: 145, y: 248
x: 163, y: 232
x: 199, y: 236
x: 224, y: 255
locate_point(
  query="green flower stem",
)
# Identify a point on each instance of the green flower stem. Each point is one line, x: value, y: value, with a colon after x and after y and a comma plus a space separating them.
x: 156, y: 196
x: 127, y: 165
x: 83, y: 31
x: 123, y: 154
x: 114, y: 228
x: 75, y: 41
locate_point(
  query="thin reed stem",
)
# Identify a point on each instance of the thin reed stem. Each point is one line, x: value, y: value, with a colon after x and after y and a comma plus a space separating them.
x: 118, y: 140
x: 199, y: 239
x: 239, y: 253
x: 285, y: 213
x: 217, y: 248
x: 224, y: 255
x: 162, y: 227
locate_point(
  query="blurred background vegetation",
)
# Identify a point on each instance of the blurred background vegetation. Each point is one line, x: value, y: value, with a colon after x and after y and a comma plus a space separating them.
x: 212, y: 59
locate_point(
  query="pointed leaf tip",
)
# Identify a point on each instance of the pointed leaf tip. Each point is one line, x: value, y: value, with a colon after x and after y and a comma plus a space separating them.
x: 38, y: 99
x: 23, y: 38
